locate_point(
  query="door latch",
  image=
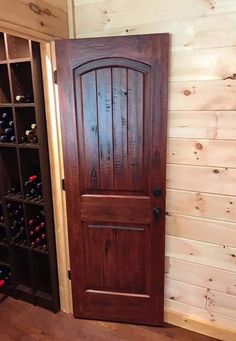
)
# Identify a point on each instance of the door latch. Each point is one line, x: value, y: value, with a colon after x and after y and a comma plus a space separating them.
x: 156, y: 212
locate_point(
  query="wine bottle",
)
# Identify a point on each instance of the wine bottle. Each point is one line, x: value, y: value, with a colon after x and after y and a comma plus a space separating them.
x: 7, y: 138
x: 9, y: 205
x: 2, y: 283
x: 31, y: 222
x: 3, y: 124
x: 8, y: 131
x: 4, y: 115
x: 4, y: 138
x: 32, y: 134
x: 1, y: 215
x: 31, y: 233
x: 23, y: 139
x: 5, y: 276
x: 33, y: 187
x: 27, y: 98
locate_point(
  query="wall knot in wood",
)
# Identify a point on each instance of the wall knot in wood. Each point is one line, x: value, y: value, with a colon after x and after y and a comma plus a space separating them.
x: 37, y: 10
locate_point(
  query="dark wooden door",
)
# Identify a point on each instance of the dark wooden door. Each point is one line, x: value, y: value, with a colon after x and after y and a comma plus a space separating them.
x: 113, y: 101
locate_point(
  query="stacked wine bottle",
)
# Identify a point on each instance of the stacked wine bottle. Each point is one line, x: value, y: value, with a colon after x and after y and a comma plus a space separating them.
x: 7, y: 132
x: 3, y: 238
x: 14, y: 189
x: 17, y: 228
x: 1, y: 215
x: 5, y: 276
x: 30, y: 135
x: 33, y: 187
x: 37, y: 231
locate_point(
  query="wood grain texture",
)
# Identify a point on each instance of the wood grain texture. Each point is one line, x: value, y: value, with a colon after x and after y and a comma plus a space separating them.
x: 201, y: 152
x: 221, y: 303
x: 191, y: 30
x: 200, y: 204
x: 205, y: 64
x: 220, y: 125
x: 206, y: 230
x: 203, y: 95
x: 42, y: 17
x: 201, y: 275
x: 100, y: 210
x: 106, y: 15
x: 185, y: 293
x: 207, y: 179
x: 193, y: 318
x: 222, y: 257
x: 118, y: 208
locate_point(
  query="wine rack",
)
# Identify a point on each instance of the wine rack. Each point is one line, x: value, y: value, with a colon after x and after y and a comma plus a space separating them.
x: 28, y: 267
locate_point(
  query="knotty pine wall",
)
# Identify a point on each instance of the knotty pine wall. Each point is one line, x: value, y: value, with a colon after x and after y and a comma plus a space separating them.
x: 41, y: 20
x: 201, y: 169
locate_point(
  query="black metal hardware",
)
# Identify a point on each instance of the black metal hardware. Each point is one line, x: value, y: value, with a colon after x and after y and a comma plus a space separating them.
x: 156, y: 211
x: 63, y: 184
x: 157, y: 192
x: 55, y: 77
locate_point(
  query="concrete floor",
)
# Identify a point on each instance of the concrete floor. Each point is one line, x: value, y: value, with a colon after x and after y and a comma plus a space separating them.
x: 23, y: 322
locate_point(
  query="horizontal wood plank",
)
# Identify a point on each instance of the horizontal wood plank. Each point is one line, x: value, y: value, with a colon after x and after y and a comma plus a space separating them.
x: 179, y: 42
x: 215, y: 31
x: 200, y: 275
x: 221, y: 257
x: 206, y: 230
x: 112, y: 14
x: 204, y: 64
x: 199, y: 326
x: 212, y: 318
x: 187, y: 33
x: 200, y: 152
x: 201, y: 205
x: 206, y: 179
x: 221, y: 303
x: 202, y: 124
x: 185, y: 293
x: 203, y: 95
x: 116, y: 208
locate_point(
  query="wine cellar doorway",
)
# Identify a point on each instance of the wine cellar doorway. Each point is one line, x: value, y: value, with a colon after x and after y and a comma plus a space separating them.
x: 28, y: 266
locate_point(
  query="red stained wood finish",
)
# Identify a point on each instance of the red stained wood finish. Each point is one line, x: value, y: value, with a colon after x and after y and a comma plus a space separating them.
x: 113, y: 100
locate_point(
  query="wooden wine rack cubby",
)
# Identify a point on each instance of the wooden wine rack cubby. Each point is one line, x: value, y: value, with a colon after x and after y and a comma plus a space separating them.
x: 34, y: 270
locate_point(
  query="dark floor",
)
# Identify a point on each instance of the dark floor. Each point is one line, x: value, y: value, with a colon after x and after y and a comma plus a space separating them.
x: 22, y: 322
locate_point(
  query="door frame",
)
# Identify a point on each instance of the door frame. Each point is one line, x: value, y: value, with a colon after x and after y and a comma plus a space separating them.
x: 54, y: 144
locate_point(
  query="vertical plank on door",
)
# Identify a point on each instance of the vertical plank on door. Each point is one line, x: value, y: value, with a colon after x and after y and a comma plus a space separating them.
x: 123, y: 259
x: 104, y: 99
x: 94, y: 256
x: 119, y: 90
x: 138, y: 261
x: 135, y: 130
x: 109, y: 258
x: 89, y: 104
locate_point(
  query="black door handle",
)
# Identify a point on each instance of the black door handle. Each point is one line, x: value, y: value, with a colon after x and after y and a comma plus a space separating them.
x: 157, y: 192
x: 156, y: 212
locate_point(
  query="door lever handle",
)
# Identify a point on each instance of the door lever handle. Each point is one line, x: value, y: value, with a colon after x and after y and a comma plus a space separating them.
x: 156, y: 212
